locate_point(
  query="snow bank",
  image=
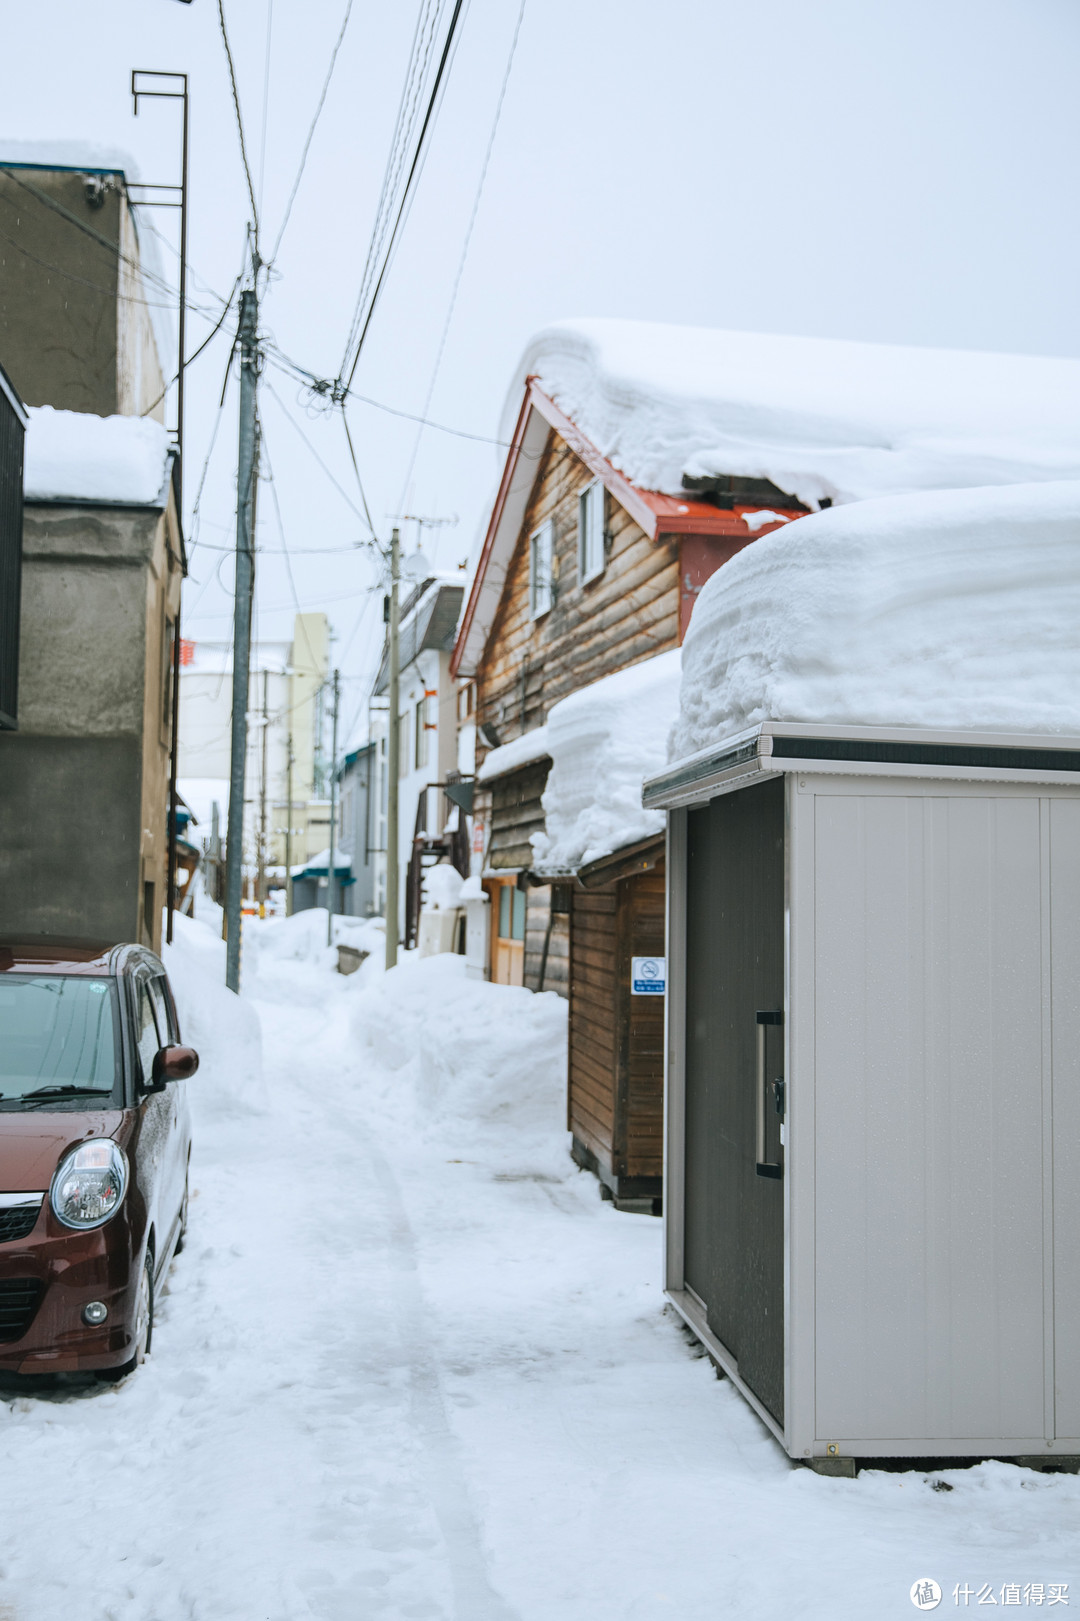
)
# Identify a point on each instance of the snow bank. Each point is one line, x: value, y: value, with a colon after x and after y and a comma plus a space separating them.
x: 471, y: 1055
x: 223, y: 1028
x: 76, y: 456
x: 819, y: 417
x: 442, y: 887
x: 953, y: 610
x: 604, y: 741
x: 521, y: 750
x: 302, y: 938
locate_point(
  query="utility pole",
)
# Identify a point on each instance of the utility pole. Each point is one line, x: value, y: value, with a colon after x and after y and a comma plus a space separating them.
x: 393, y: 760
x: 260, y: 882
x: 288, y: 830
x: 330, y: 877
x: 247, y: 473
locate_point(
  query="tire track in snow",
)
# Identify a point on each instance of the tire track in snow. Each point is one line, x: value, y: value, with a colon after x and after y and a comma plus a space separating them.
x: 474, y: 1597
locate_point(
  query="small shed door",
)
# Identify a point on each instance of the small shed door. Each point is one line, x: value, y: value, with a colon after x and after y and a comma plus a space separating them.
x: 734, y: 1230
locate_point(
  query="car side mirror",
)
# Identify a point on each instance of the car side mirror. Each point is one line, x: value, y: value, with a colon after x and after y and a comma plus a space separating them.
x: 173, y: 1064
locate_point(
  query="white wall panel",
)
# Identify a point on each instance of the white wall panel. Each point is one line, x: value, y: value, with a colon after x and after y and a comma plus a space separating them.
x: 928, y: 1061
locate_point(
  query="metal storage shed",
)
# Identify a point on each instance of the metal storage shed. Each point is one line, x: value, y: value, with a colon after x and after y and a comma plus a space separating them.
x: 872, y: 1176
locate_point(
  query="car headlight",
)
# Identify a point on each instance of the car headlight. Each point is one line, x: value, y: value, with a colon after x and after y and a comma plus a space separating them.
x: 89, y: 1184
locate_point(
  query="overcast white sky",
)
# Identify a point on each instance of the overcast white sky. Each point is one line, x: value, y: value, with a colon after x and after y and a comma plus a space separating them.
x: 901, y: 170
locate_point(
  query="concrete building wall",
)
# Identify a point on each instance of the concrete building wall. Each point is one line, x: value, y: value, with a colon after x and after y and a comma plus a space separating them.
x: 75, y: 327
x: 84, y: 781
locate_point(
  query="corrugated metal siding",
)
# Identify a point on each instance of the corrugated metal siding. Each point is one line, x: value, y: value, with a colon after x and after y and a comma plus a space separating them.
x: 11, y: 507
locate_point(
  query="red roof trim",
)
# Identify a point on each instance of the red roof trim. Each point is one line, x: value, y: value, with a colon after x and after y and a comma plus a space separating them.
x: 655, y: 513
x: 492, y: 530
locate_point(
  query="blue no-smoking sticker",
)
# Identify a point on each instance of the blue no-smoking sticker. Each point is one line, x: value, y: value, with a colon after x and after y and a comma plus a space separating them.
x: 647, y: 976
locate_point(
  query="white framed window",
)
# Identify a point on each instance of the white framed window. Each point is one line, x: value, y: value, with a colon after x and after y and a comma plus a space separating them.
x: 540, y: 549
x: 591, y: 558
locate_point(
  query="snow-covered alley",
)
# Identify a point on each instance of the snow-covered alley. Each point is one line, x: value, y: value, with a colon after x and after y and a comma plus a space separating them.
x: 410, y: 1365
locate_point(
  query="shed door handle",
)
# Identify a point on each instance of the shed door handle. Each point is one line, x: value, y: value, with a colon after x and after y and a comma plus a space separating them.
x: 764, y: 1019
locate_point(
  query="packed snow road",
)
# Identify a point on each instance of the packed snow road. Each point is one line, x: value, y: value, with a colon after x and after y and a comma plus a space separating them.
x: 409, y: 1365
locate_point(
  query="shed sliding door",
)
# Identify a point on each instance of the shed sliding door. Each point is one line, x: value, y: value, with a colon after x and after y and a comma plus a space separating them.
x: 734, y: 1232
x: 931, y: 1006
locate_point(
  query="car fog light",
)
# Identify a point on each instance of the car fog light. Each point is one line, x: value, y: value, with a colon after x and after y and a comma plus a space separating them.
x: 96, y: 1312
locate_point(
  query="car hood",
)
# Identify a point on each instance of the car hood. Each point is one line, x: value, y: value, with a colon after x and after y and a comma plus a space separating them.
x: 31, y: 1144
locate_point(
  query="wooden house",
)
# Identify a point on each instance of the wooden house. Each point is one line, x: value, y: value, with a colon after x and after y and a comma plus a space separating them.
x: 583, y: 573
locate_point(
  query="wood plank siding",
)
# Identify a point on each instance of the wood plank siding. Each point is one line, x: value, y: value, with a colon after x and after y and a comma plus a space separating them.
x: 616, y: 1097
x: 627, y: 613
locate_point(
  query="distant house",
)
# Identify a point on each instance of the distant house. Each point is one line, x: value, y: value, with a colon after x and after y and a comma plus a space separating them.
x: 84, y: 778
x: 356, y: 808
x: 429, y: 826
x: 287, y: 779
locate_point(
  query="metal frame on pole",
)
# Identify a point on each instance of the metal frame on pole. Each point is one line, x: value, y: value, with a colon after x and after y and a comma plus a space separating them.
x: 247, y: 475
x: 393, y: 759
x: 147, y: 202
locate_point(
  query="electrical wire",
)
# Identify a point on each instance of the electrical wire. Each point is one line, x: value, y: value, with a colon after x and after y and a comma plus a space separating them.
x: 149, y: 276
x: 321, y: 388
x: 239, y: 119
x: 311, y: 131
x: 197, y: 352
x: 407, y: 194
x: 464, y: 255
x: 349, y: 502
x: 416, y: 70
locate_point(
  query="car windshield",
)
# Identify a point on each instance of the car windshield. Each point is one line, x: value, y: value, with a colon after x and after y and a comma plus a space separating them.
x: 58, y: 1041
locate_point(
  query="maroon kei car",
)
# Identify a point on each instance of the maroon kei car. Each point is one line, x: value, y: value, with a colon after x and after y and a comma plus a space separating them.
x: 94, y: 1146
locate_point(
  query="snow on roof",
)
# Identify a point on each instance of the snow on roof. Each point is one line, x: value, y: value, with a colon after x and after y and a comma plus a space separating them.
x: 604, y: 741
x: 956, y: 609
x: 76, y: 456
x: 519, y: 751
x: 818, y: 417
x: 86, y: 156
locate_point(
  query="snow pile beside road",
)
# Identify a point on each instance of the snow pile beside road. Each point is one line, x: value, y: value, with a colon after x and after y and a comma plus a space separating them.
x: 951, y: 610
x: 223, y: 1028
x: 302, y: 937
x: 469, y: 1055
x: 604, y: 741
x: 76, y: 456
x: 819, y: 417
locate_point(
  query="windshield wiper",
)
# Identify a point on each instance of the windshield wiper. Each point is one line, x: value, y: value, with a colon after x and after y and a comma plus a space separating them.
x: 45, y: 1094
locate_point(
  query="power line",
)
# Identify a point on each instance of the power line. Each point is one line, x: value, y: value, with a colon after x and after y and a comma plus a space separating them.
x: 314, y: 122
x: 211, y: 335
x: 137, y: 265
x: 464, y: 252
x: 323, y: 387
x: 349, y: 502
x: 406, y: 196
x: 416, y: 70
x: 239, y: 118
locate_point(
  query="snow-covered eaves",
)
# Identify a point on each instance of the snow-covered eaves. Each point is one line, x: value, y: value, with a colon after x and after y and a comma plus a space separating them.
x: 656, y: 512
x: 821, y: 419
x: 604, y: 740
x: 319, y: 866
x: 523, y: 750
x: 429, y: 621
x: 952, y: 609
x: 74, y: 456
